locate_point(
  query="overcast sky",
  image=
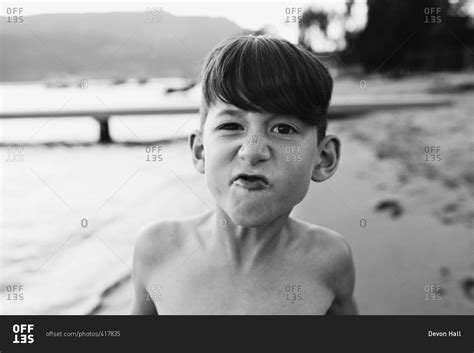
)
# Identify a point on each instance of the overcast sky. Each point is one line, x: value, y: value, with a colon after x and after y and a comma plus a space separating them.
x: 247, y: 14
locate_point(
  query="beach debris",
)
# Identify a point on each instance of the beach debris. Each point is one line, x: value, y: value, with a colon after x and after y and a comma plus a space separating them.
x: 456, y: 212
x: 467, y: 176
x: 451, y: 183
x: 390, y: 205
x: 467, y: 286
x: 187, y: 87
x: 451, y: 207
x: 403, y: 178
x: 447, y: 220
x: 444, y: 271
x: 119, y: 81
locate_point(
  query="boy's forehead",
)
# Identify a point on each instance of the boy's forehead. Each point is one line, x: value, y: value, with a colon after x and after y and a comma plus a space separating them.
x: 220, y: 109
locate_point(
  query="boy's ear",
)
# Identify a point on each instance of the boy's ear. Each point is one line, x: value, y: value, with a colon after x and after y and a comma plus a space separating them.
x: 329, y: 150
x: 197, y: 150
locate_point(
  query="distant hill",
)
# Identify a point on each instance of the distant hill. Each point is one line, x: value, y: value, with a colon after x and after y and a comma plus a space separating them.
x: 110, y: 45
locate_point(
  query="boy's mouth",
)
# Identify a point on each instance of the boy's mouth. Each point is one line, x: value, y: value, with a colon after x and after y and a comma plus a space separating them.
x: 251, y: 181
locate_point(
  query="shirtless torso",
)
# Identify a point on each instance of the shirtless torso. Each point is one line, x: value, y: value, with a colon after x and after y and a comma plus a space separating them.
x: 180, y: 267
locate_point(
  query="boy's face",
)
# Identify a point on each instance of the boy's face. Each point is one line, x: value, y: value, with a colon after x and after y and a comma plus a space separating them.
x: 258, y: 166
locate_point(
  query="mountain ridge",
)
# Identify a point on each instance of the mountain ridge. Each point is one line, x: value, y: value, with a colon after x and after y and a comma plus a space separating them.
x: 109, y: 45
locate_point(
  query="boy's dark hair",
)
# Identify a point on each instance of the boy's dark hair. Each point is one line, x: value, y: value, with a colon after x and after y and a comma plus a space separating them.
x: 267, y: 74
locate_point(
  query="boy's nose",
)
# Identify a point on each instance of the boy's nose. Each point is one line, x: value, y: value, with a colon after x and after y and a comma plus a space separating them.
x: 254, y: 150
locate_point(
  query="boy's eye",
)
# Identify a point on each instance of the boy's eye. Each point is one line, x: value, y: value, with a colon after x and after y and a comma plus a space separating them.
x: 229, y: 126
x: 284, y: 129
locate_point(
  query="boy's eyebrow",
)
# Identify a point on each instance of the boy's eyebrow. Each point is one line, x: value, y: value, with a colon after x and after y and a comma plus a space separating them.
x: 239, y: 113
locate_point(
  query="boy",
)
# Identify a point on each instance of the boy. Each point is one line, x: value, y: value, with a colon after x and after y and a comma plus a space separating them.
x: 262, y: 139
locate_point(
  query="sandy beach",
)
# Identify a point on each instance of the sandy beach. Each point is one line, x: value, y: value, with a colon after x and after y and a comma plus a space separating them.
x: 428, y: 241
x: 408, y: 219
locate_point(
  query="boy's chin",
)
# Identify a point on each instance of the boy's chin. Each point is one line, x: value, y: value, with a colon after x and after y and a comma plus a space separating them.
x: 250, y: 219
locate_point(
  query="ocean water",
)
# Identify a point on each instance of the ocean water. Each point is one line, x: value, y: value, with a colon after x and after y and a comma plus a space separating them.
x: 70, y: 216
x: 99, y: 95
x: 70, y: 213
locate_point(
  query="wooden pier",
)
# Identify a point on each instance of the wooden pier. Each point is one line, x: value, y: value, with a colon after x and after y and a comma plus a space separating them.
x: 341, y: 107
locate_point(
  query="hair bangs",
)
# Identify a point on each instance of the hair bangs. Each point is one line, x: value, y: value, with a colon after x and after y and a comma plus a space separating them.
x: 268, y: 75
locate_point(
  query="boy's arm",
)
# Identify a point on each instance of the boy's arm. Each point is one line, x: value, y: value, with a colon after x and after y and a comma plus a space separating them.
x: 344, y: 282
x: 142, y: 303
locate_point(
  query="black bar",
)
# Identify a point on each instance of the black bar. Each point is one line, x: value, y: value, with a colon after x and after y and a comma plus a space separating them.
x: 201, y: 333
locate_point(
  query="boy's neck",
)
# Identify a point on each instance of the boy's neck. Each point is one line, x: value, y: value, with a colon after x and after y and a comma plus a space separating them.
x: 248, y: 246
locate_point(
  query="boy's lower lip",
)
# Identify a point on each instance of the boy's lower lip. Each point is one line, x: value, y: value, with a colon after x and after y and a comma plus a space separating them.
x: 254, y: 185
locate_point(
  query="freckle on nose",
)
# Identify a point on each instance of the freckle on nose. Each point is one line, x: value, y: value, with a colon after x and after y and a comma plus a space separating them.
x: 254, y: 139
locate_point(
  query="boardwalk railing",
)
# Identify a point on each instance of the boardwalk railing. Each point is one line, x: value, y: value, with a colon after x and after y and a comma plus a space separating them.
x: 340, y: 107
x: 101, y: 116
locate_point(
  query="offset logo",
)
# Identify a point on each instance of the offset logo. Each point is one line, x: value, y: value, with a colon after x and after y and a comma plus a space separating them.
x: 23, y: 333
x: 15, y: 292
x: 432, y: 14
x: 15, y: 15
x: 293, y: 14
x: 154, y: 153
x: 294, y: 292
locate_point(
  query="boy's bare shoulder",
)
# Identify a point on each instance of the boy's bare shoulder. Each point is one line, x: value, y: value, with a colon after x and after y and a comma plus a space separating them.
x: 156, y: 241
x: 320, y: 238
x: 327, y: 250
x: 161, y: 240
x: 329, y: 260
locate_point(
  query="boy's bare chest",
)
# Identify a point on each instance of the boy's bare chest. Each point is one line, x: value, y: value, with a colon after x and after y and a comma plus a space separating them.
x: 197, y: 288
